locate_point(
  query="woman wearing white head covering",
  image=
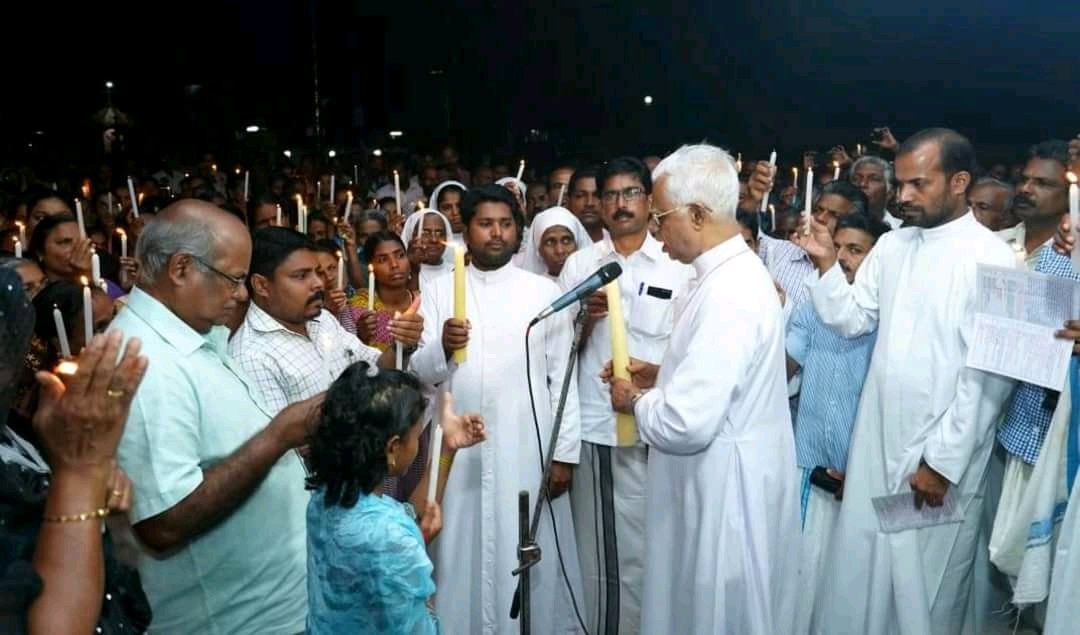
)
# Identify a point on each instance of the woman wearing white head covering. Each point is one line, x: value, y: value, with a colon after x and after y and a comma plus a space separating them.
x: 433, y: 203
x: 548, y: 259
x: 433, y: 257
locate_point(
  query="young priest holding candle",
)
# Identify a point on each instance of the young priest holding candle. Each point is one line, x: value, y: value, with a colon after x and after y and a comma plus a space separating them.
x: 608, y: 496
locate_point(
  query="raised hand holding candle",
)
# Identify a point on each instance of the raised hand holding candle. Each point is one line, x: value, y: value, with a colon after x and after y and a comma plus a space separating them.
x: 625, y: 429
x: 61, y: 332
x: 134, y: 199
x: 521, y: 170
x: 765, y: 199
x: 1074, y: 213
x: 18, y: 248
x: 370, y: 288
x: 123, y: 242
x: 88, y: 312
x: 809, y: 200
x: 397, y: 192
x: 340, y: 270
x: 79, y: 218
x: 461, y: 354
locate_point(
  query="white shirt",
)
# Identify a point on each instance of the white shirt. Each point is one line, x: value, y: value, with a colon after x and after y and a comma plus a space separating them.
x: 1015, y: 237
x: 892, y: 221
x: 650, y: 283
x: 288, y: 367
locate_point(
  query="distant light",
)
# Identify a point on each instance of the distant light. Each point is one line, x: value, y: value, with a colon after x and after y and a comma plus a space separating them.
x: 108, y: 84
x: 648, y: 100
x: 252, y: 128
x: 376, y: 152
x: 40, y: 133
x: 288, y: 154
x: 331, y: 154
x: 436, y: 71
x: 394, y: 134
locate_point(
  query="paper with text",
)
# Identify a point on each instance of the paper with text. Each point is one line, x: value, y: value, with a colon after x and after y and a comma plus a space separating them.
x: 897, y: 512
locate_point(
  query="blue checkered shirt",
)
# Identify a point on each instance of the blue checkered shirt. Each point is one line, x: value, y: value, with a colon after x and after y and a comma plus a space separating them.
x: 1030, y: 413
x: 833, y: 371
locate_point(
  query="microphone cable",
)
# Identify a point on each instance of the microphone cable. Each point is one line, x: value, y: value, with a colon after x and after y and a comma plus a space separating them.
x: 543, y: 486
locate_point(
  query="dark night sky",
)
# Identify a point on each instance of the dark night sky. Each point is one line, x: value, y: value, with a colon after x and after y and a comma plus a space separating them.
x: 762, y: 73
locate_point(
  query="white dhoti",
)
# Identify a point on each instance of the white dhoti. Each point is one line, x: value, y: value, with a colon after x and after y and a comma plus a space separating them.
x: 820, y: 510
x: 608, y: 501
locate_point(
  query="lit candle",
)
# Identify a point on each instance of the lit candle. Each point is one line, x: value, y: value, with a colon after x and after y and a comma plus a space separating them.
x: 22, y: 230
x: 247, y: 183
x: 1074, y: 214
x: 18, y: 248
x: 460, y: 355
x: 134, y: 200
x: 318, y: 193
x: 795, y: 176
x: 772, y: 217
x: 88, y: 312
x: 213, y: 166
x: 397, y: 192
x: 86, y: 189
x: 765, y: 199
x: 836, y: 170
x: 562, y: 194
x: 738, y: 163
x: 370, y: 288
x: 123, y: 242
x: 79, y: 218
x: 399, y: 350
x: 333, y: 185
x: 348, y: 206
x: 858, y: 149
x: 436, y: 452
x: 299, y: 213
x: 340, y: 270
x: 625, y: 432
x: 95, y: 268
x: 61, y: 332
x: 809, y: 200
x: 355, y: 174
x: 278, y: 218
x: 521, y: 170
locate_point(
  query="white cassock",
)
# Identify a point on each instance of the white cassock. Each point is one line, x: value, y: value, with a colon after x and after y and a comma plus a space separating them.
x: 477, y: 548
x: 723, y: 511
x: 917, y: 287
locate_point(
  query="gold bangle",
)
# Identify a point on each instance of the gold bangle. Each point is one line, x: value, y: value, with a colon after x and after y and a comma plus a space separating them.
x: 445, y: 461
x: 77, y: 518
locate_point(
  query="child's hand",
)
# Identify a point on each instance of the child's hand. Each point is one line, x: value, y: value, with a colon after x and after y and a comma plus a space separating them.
x: 431, y: 521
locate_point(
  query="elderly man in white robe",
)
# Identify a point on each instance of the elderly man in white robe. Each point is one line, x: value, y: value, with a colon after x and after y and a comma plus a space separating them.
x: 722, y: 522
x: 926, y: 422
x: 477, y: 549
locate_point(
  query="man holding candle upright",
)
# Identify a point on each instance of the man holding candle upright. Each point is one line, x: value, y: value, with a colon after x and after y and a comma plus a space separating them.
x: 476, y: 552
x: 608, y: 496
x: 722, y: 524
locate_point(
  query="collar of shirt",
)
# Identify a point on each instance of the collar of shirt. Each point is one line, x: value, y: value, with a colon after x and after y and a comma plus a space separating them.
x: 263, y: 322
x: 492, y: 276
x: 651, y: 248
x: 718, y: 255
x: 952, y: 228
x: 171, y: 328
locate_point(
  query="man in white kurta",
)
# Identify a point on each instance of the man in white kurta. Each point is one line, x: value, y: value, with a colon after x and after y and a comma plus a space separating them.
x: 722, y: 525
x: 925, y: 422
x: 477, y: 549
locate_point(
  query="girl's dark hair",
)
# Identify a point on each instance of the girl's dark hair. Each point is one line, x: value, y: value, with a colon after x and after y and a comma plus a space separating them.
x: 377, y: 239
x: 361, y: 413
x: 42, y: 231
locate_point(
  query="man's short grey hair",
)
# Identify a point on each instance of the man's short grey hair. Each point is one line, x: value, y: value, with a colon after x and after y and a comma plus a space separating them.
x: 702, y: 174
x: 161, y: 239
x: 885, y: 166
x: 992, y: 182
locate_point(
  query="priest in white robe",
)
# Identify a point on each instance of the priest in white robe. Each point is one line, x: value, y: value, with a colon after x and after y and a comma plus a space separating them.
x: 926, y: 422
x: 477, y: 549
x: 722, y: 524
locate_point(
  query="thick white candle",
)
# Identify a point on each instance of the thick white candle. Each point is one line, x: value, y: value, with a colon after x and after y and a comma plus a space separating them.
x: 79, y: 218
x: 397, y: 192
x: 340, y: 270
x: 134, y: 199
x: 333, y: 185
x: 436, y: 455
x: 88, y: 313
x: 809, y: 200
x: 765, y: 199
x: 123, y: 242
x: 95, y: 268
x: 370, y: 288
x: 18, y: 248
x: 247, y: 183
x: 521, y: 170
x: 1074, y: 214
x: 61, y: 332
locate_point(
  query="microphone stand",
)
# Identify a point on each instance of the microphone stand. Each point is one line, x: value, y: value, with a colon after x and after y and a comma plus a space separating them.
x: 528, y: 551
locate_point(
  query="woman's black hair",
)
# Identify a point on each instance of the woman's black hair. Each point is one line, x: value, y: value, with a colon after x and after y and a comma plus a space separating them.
x: 378, y: 238
x: 362, y: 411
x: 42, y: 231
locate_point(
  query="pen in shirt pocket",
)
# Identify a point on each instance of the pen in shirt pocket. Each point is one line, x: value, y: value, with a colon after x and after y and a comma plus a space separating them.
x: 641, y: 288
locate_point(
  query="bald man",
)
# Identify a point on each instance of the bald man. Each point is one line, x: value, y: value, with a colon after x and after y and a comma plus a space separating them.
x: 220, y: 501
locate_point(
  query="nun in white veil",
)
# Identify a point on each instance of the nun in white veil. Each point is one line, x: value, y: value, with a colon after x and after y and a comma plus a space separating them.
x: 433, y: 202
x: 550, y: 265
x: 436, y: 260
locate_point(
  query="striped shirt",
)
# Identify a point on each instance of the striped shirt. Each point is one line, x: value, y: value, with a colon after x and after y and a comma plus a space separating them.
x: 833, y: 371
x: 789, y: 265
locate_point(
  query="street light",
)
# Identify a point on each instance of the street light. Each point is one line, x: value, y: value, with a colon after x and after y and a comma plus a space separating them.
x: 648, y: 100
x: 108, y: 84
x: 331, y: 154
x: 394, y: 134
x: 252, y: 128
x: 376, y: 152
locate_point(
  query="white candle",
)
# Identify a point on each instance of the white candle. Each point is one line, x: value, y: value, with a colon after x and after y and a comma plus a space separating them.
x: 738, y: 163
x: 348, y: 206
x: 370, y: 288
x: 18, y: 248
x: 399, y: 350
x: 436, y: 452
x: 521, y: 170
x: 836, y: 171
x: 355, y: 174
x: 95, y: 268
x: 340, y: 270
x: 61, y: 332
x: 765, y: 199
x: 88, y: 313
x: 1074, y: 214
x: 134, y: 199
x: 397, y: 192
x: 318, y: 192
x: 22, y: 230
x: 79, y: 218
x: 278, y: 215
x: 772, y: 217
x: 247, y: 183
x: 123, y: 242
x: 858, y: 149
x: 333, y: 185
x: 562, y: 194
x: 809, y: 200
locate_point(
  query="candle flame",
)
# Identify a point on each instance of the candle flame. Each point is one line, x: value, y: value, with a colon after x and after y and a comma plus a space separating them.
x: 84, y: 281
x: 836, y: 164
x: 19, y: 224
x: 238, y: 171
x: 1071, y: 176
x: 66, y: 367
x: 371, y: 268
x: 120, y: 232
x: 213, y: 166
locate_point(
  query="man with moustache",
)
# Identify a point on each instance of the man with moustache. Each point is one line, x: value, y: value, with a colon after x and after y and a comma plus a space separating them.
x: 874, y: 176
x: 476, y: 551
x: 559, y: 182
x: 289, y: 344
x: 992, y: 202
x: 925, y: 422
x: 583, y: 201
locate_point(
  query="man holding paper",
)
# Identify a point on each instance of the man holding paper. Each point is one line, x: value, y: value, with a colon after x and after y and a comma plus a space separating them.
x: 608, y: 497
x: 925, y: 422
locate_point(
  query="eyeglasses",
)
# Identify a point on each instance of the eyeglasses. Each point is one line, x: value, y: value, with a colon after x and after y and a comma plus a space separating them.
x: 656, y: 215
x: 237, y: 281
x: 629, y: 194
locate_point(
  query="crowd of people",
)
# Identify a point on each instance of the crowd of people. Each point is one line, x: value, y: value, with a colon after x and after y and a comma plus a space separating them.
x: 301, y: 398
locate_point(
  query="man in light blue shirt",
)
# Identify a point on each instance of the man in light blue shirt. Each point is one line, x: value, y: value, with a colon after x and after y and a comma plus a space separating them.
x: 220, y: 499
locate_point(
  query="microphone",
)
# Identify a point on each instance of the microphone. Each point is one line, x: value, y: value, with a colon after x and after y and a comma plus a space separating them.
x: 587, y: 287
